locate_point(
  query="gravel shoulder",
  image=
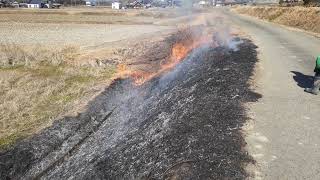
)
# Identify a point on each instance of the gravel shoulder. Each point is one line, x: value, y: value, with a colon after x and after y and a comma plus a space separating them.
x: 284, y: 134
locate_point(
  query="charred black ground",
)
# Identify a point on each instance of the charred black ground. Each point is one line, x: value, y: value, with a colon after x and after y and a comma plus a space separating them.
x: 185, y: 124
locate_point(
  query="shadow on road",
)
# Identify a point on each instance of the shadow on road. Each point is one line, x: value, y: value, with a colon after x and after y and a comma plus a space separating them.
x: 303, y: 81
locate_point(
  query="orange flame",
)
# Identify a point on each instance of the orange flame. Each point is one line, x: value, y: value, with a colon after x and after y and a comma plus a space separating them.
x: 122, y: 69
x: 178, y: 53
x: 181, y: 50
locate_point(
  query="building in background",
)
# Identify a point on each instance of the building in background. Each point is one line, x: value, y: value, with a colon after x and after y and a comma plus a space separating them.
x: 202, y: 3
x: 35, y: 4
x: 116, y: 5
x: 89, y: 3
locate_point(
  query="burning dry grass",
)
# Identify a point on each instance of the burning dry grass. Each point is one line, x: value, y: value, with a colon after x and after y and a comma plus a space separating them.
x: 305, y: 18
x: 180, y: 45
x: 185, y: 41
x: 38, y: 84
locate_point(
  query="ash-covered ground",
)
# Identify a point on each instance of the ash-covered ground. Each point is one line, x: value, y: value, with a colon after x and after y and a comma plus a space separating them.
x: 184, y: 124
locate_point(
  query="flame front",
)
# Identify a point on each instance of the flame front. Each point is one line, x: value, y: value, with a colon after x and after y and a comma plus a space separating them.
x: 122, y: 69
x: 179, y: 52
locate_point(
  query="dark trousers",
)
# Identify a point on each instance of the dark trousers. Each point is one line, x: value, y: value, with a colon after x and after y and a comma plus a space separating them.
x: 316, y: 84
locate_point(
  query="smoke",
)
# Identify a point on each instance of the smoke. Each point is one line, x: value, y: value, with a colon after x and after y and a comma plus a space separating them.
x: 220, y: 38
x: 133, y: 98
x: 193, y: 57
x: 209, y: 32
x: 224, y: 38
x: 214, y: 27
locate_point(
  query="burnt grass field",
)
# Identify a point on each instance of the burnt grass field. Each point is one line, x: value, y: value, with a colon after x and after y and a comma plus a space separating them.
x: 184, y: 124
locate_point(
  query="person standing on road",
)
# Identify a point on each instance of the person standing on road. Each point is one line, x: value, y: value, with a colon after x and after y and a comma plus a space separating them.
x: 316, y: 81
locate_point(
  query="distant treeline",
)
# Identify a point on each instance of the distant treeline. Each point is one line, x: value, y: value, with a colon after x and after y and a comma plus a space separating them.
x: 312, y: 2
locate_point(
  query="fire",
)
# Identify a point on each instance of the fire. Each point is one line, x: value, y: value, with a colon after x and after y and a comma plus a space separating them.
x: 122, y: 69
x: 141, y: 77
x: 179, y: 52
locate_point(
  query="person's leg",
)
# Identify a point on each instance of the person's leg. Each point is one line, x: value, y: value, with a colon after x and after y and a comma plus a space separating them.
x: 316, y: 86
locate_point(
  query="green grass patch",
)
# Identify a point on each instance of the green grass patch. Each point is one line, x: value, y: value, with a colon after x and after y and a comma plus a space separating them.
x: 79, y: 79
x: 10, y: 68
x: 8, y: 141
x: 47, y: 71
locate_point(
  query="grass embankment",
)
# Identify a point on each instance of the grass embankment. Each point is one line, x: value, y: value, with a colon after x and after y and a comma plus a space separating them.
x: 306, y: 18
x: 37, y: 85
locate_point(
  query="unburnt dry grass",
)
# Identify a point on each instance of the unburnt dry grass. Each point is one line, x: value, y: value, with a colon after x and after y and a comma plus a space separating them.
x: 37, y: 85
x: 306, y: 18
x: 12, y: 54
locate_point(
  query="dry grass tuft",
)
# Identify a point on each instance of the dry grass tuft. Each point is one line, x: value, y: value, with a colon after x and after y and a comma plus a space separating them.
x: 305, y: 18
x: 12, y: 54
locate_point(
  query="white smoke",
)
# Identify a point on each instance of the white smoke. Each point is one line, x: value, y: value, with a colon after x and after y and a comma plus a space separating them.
x: 224, y: 38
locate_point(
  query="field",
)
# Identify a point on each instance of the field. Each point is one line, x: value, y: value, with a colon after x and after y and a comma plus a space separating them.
x: 52, y: 62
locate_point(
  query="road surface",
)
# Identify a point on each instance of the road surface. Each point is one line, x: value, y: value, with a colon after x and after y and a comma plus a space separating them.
x: 284, y: 137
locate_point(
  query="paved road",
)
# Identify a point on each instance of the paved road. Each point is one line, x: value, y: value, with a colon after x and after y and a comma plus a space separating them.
x: 285, y: 134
